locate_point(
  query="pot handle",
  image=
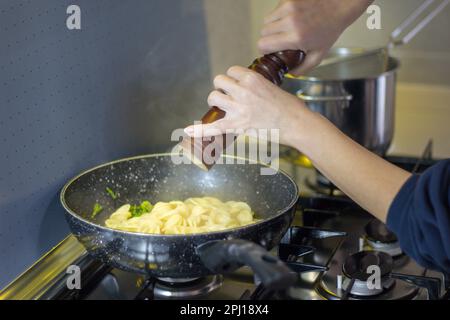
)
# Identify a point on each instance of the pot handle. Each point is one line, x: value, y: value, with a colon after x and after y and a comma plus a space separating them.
x: 305, y: 97
x: 227, y: 255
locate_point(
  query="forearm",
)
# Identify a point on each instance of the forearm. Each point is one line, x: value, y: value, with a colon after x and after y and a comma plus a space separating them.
x: 366, y: 178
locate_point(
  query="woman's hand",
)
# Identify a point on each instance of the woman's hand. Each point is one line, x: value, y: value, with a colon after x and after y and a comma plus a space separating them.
x: 251, y: 102
x: 309, y: 25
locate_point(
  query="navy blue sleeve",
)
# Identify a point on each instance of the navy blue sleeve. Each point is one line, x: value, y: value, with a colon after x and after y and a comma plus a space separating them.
x: 420, y: 217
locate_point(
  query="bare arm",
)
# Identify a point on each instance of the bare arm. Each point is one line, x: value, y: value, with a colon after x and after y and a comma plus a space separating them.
x: 368, y: 179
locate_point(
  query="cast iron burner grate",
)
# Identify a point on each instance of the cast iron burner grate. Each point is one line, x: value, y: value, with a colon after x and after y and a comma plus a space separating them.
x: 295, y: 245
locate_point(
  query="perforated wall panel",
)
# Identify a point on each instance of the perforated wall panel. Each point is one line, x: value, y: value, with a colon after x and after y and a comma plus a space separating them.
x: 72, y: 99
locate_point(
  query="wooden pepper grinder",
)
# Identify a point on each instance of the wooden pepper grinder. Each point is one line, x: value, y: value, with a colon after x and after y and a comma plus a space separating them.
x: 204, y: 152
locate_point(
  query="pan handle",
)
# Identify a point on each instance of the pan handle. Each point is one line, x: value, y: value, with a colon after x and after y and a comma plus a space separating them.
x: 228, y: 255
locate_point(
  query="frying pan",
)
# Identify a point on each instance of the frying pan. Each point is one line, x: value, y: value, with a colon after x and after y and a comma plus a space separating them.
x: 157, y: 178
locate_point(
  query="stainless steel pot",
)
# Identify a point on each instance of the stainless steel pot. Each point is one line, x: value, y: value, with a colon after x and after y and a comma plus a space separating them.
x: 357, y: 95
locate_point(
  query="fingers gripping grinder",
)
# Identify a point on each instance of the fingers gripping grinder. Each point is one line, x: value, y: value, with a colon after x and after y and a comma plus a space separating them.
x: 204, y: 152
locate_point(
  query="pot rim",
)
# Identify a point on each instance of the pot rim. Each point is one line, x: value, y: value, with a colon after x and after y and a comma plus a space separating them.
x: 394, y: 65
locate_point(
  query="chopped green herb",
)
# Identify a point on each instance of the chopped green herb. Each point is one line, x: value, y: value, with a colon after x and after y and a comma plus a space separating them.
x: 96, y: 210
x: 147, y: 206
x: 136, y: 211
x: 139, y: 210
x: 112, y: 194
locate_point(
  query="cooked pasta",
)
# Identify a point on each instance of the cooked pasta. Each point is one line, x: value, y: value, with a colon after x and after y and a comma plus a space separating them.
x: 194, y: 215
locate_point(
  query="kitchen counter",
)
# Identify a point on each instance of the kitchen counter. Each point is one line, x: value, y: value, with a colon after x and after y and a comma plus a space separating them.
x: 422, y: 113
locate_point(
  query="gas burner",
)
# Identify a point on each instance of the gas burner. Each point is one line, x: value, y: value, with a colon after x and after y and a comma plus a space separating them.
x: 176, y: 280
x: 168, y: 288
x: 349, y: 279
x: 361, y: 290
x: 356, y: 265
x: 356, y: 270
x: 380, y: 238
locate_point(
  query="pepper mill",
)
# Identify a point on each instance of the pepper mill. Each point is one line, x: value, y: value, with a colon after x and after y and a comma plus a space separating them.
x: 204, y: 152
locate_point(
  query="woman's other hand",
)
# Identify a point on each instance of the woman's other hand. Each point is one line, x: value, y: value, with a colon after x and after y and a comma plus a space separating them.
x: 309, y: 25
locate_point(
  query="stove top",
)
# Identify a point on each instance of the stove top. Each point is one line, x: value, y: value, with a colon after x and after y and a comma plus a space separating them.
x: 339, y: 251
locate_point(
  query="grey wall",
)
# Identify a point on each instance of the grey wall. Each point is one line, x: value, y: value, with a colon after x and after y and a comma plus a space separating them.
x: 73, y: 99
x: 229, y: 34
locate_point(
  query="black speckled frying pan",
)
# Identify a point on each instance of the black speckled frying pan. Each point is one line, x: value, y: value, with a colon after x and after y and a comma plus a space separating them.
x: 157, y: 178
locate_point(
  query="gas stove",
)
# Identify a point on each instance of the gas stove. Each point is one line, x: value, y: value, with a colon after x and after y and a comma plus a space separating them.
x: 330, y: 245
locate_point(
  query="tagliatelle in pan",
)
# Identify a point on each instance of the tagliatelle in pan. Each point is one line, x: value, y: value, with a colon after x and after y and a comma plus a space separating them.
x: 194, y: 215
